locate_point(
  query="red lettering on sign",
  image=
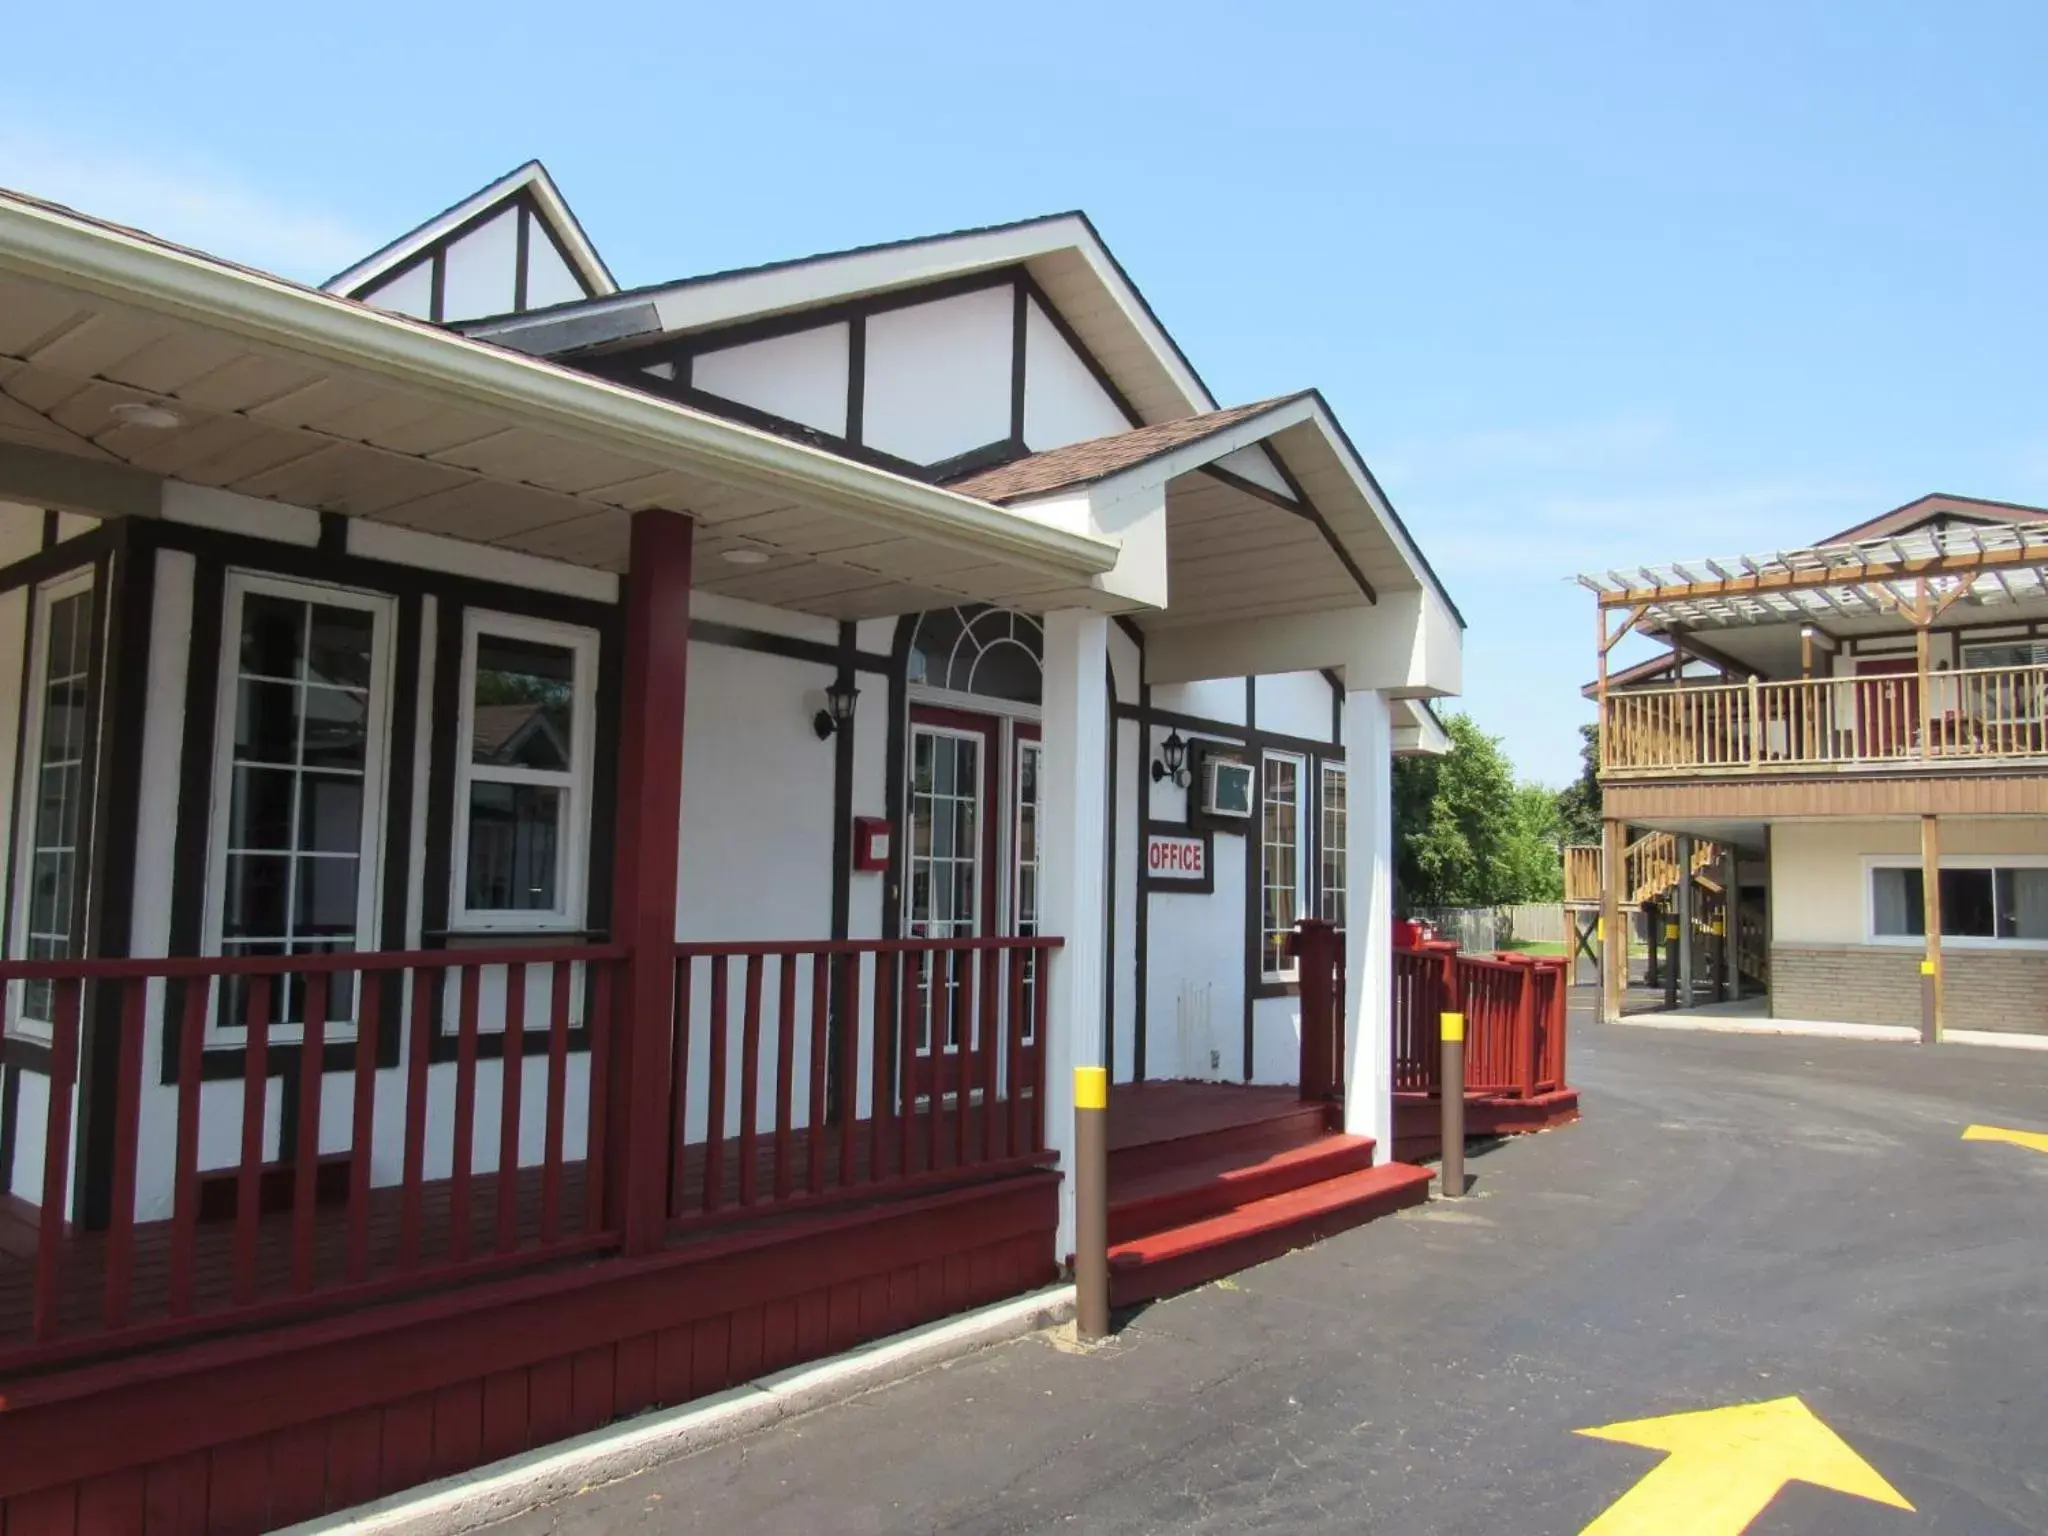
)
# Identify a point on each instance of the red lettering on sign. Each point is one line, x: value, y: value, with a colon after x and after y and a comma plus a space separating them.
x: 1180, y: 857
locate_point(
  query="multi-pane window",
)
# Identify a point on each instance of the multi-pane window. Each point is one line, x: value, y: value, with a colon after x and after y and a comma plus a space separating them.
x: 1280, y: 863
x: 945, y: 835
x: 523, y: 793
x: 944, y: 895
x: 1980, y: 901
x: 1024, y: 903
x: 56, y: 785
x: 1330, y: 845
x: 301, y: 778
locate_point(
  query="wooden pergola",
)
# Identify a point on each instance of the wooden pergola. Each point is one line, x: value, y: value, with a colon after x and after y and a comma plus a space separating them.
x: 1917, y: 576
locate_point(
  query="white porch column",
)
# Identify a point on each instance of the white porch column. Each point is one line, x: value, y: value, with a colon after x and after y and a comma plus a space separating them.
x: 1369, y: 922
x: 1073, y: 823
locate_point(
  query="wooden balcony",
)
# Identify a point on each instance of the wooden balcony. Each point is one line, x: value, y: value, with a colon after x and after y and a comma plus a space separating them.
x: 1986, y: 718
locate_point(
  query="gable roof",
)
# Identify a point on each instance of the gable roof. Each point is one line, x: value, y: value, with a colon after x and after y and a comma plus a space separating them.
x: 1096, y: 458
x: 1939, y: 506
x: 1064, y: 254
x: 531, y: 179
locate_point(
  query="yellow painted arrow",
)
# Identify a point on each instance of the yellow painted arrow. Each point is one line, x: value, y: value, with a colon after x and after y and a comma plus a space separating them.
x: 1727, y: 1464
x: 2037, y: 1140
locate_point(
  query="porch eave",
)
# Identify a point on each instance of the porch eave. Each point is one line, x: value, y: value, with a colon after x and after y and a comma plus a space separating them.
x: 106, y: 265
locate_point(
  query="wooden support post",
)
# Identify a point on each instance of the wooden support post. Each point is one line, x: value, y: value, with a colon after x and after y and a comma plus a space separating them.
x: 1613, y: 936
x: 1931, y: 1022
x: 1731, y: 918
x: 648, y: 835
x: 1688, y: 919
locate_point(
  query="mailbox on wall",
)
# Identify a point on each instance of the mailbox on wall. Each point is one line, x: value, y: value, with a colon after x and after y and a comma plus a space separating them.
x: 870, y: 844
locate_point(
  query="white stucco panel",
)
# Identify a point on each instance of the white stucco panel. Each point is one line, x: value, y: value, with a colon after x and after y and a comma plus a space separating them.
x: 1063, y: 403
x: 478, y: 270
x: 800, y: 377
x: 938, y: 376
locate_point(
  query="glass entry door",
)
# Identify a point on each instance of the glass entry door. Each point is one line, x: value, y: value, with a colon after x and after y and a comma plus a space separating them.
x: 950, y: 889
x: 971, y: 871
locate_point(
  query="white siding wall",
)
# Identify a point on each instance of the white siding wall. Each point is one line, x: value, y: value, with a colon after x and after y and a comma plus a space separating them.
x: 1296, y: 704
x: 1818, y: 875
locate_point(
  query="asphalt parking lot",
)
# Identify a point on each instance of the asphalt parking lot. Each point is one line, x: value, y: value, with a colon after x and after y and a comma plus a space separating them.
x: 1737, y: 1220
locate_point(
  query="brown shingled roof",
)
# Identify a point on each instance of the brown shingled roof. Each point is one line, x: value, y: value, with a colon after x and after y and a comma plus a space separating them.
x: 1100, y: 457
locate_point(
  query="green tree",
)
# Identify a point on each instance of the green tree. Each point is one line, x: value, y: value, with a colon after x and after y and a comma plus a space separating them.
x: 1578, y: 803
x: 1466, y: 834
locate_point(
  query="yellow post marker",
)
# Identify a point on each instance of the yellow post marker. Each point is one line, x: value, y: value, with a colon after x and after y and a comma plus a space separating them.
x: 1091, y: 1202
x: 1451, y: 1093
x: 1723, y: 1466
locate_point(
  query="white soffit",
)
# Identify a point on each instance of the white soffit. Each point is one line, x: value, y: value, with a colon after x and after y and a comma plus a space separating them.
x: 295, y: 396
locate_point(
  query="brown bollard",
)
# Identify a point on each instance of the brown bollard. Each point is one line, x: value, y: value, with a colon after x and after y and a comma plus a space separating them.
x: 1091, y: 1202
x: 1453, y: 1027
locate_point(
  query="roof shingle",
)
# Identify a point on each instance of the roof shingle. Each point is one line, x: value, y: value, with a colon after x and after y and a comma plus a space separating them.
x: 1099, y: 457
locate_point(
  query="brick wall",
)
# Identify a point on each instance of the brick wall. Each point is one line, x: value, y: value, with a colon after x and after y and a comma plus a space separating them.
x: 1878, y: 984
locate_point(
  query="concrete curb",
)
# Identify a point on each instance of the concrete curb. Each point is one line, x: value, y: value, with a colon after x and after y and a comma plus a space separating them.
x: 1818, y: 1029
x: 1995, y: 1037
x: 506, y: 1488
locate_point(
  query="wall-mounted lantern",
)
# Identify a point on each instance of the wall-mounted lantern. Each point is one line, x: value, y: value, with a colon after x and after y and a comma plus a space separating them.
x: 839, y: 701
x: 1172, y: 761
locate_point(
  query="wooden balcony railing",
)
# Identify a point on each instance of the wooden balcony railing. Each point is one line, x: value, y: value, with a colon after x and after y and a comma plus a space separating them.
x: 1988, y: 714
x: 227, y: 1208
x: 1649, y: 873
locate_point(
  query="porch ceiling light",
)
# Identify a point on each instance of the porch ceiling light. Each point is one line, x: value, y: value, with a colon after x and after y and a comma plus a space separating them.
x: 840, y: 699
x: 744, y: 555
x: 145, y: 413
x: 1172, y: 761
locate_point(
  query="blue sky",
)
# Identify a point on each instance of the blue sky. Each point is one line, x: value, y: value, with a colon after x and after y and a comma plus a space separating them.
x: 1588, y: 283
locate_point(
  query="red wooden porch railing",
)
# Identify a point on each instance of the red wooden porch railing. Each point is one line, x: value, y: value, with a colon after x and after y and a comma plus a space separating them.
x: 1514, y: 1008
x: 248, y: 1203
x: 849, y: 1069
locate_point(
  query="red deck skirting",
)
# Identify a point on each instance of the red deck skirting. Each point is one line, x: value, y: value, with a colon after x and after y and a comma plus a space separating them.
x: 249, y: 1433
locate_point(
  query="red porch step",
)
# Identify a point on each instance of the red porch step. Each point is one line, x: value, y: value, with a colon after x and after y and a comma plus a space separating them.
x: 1225, y: 1181
x: 1256, y: 1229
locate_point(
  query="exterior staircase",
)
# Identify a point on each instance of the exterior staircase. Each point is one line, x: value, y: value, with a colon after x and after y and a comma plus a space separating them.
x: 1193, y: 1208
x: 1650, y: 870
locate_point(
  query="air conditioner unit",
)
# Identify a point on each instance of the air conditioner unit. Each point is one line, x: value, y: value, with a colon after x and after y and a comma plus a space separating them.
x: 1226, y: 788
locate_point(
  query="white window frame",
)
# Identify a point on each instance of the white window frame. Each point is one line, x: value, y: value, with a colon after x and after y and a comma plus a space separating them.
x: 1326, y: 767
x: 43, y: 599
x: 572, y: 848
x: 1303, y: 845
x: 382, y: 609
x: 1873, y: 862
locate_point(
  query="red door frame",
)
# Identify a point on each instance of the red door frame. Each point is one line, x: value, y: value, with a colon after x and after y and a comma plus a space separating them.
x: 989, y: 730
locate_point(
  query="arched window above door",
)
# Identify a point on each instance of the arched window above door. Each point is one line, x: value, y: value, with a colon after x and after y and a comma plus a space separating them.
x: 989, y: 651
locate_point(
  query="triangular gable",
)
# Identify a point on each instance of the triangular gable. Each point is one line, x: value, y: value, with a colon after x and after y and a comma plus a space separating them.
x: 510, y: 247
x: 1082, y: 286
x: 1938, y: 511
